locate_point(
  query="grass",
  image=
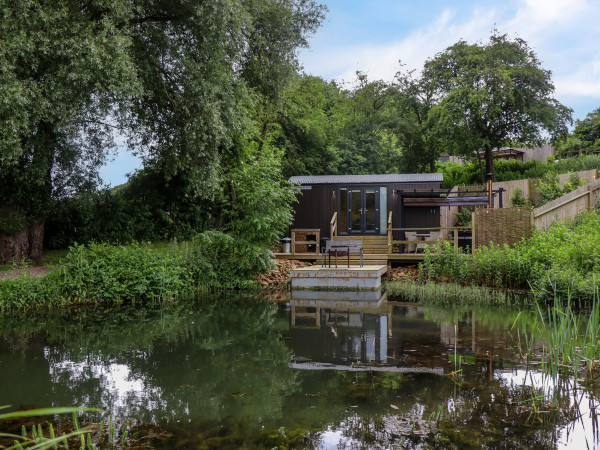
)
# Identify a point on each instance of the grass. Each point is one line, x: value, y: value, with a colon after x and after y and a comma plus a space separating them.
x: 430, y: 292
x: 563, y: 260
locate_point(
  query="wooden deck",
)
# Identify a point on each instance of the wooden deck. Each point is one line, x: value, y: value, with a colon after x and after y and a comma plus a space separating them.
x: 380, y: 258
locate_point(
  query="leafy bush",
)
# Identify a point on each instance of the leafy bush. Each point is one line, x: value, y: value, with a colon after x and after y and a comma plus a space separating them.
x: 517, y: 199
x: 464, y: 217
x: 222, y: 260
x: 564, y: 259
x: 549, y: 188
x: 123, y: 273
x: 508, y: 170
x: 139, y: 272
x: 26, y: 291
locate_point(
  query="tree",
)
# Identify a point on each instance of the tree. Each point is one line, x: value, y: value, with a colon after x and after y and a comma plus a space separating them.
x: 179, y: 78
x: 61, y: 66
x: 489, y: 95
x: 416, y: 125
x: 588, y: 130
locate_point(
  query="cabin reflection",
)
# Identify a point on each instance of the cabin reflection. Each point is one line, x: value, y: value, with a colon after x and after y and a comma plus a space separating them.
x: 364, y: 328
x: 346, y: 328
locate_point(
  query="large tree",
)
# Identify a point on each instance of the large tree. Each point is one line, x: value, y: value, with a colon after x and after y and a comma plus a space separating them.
x: 182, y: 79
x: 493, y: 94
x: 588, y: 130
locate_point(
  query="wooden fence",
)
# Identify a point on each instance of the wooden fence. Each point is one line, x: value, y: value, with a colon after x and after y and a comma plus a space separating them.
x: 501, y: 226
x: 569, y: 205
x: 528, y: 187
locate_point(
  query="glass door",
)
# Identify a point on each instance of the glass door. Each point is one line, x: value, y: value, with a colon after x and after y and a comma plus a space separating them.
x: 359, y: 210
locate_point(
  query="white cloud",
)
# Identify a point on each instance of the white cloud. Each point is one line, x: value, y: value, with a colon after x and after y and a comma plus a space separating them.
x: 382, y: 61
x: 584, y: 82
x: 563, y: 33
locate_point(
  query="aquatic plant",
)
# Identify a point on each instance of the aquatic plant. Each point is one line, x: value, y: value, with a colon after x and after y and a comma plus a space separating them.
x: 36, y: 439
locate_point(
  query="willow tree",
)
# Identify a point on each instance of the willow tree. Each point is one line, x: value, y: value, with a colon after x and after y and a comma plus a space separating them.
x: 178, y: 78
x: 493, y: 94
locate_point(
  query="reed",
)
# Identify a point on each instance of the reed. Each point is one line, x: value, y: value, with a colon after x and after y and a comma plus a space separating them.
x: 430, y: 292
x: 90, y: 437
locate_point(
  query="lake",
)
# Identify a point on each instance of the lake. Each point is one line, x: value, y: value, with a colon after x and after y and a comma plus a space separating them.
x: 316, y: 371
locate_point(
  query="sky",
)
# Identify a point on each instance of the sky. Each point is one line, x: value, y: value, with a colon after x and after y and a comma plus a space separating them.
x: 374, y: 36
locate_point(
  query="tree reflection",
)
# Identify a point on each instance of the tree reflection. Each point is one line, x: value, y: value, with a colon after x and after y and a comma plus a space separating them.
x: 202, y: 359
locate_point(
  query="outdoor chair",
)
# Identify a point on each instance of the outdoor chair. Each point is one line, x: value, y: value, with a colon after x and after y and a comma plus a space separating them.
x: 434, y: 236
x: 410, y: 236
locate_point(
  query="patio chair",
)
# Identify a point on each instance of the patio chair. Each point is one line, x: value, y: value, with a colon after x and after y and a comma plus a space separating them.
x: 434, y: 236
x: 410, y: 236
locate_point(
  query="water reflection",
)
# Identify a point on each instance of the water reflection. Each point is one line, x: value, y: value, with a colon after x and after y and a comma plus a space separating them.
x: 229, y: 372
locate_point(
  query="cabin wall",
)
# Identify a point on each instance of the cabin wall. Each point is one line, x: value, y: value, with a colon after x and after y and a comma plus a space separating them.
x: 316, y: 206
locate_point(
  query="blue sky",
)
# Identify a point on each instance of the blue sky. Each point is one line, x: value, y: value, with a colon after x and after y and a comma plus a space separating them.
x: 373, y: 36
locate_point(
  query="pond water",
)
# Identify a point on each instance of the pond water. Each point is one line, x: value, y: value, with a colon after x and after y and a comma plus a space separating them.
x: 341, y: 372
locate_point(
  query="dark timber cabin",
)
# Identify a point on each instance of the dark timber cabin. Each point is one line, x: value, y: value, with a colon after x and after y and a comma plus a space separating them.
x: 359, y: 207
x: 362, y: 202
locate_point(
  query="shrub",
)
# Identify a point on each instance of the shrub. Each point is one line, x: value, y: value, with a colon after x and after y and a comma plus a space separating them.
x: 222, y: 260
x: 562, y: 260
x: 103, y: 272
x: 140, y: 272
x: 517, y: 199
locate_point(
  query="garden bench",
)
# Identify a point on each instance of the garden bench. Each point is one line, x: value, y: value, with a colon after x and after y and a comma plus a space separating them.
x: 342, y: 247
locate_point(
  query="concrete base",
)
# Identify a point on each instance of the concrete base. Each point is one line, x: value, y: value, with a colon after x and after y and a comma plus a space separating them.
x: 338, y: 299
x: 338, y: 279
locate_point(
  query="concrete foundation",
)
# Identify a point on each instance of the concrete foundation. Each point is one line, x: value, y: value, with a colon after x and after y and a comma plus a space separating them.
x: 338, y: 299
x: 322, y: 278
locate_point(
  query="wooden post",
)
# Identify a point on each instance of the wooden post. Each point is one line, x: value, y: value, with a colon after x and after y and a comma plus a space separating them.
x: 455, y: 238
x: 532, y: 218
x: 472, y: 231
x: 390, y: 233
x: 293, y: 242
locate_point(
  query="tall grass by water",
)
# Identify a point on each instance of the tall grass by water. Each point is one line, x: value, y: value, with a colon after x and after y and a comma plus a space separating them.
x: 563, y: 260
x: 433, y: 293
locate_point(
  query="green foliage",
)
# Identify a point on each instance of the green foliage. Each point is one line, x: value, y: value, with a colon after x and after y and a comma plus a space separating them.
x: 492, y: 94
x: 220, y: 260
x: 103, y: 272
x: 10, y: 224
x: 585, y: 138
x: 147, y: 208
x: 140, y: 272
x: 261, y: 208
x: 507, y: 170
x: 517, y: 199
x: 464, y: 217
x: 564, y: 259
x: 549, y: 188
x: 187, y: 84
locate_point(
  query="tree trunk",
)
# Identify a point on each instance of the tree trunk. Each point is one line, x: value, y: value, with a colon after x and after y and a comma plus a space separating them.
x: 36, y: 239
x: 14, y: 247
x: 24, y: 243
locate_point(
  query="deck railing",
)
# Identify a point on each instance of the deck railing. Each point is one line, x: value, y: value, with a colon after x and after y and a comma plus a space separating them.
x: 424, y: 242
x: 390, y: 234
x: 333, y: 226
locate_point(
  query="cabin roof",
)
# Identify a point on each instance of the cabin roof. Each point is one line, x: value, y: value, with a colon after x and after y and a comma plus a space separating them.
x: 368, y: 179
